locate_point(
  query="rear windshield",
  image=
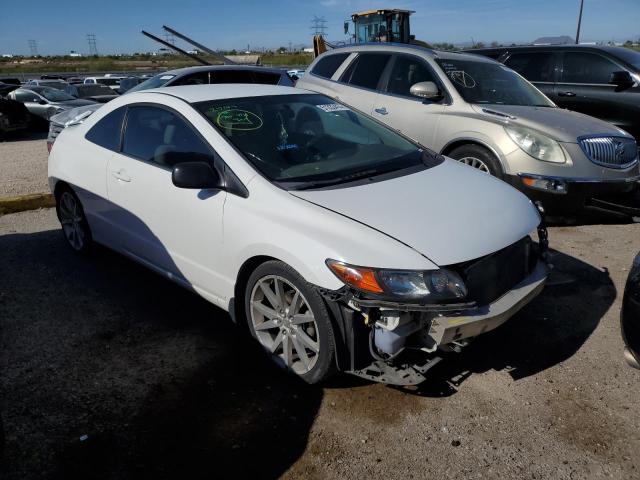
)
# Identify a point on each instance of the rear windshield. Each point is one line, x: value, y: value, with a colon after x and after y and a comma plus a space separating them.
x: 95, y: 89
x: 154, y: 82
x: 108, y: 81
x: 493, y: 83
x: 310, y: 141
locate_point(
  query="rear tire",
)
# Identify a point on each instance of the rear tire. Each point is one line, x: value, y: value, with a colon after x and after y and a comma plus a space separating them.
x: 290, y: 320
x: 479, y: 158
x: 75, y: 227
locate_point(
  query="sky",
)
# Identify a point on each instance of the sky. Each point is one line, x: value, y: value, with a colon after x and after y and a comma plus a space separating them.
x: 62, y: 26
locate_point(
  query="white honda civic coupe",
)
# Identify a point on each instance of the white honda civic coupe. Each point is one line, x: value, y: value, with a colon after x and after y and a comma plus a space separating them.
x: 341, y: 244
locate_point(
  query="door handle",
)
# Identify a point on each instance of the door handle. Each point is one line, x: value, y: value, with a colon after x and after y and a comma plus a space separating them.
x: 566, y: 94
x: 121, y: 175
x: 381, y: 111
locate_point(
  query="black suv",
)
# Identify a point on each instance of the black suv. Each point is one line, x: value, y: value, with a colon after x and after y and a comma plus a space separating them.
x: 603, y: 82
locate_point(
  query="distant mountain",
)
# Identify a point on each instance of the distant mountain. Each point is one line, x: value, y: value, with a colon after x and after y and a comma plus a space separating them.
x: 559, y: 40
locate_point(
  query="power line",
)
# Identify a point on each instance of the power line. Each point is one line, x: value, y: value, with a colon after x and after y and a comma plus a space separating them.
x: 319, y: 26
x: 93, y: 48
x: 33, y: 47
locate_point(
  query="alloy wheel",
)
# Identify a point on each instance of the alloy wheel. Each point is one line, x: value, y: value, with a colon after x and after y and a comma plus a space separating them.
x: 72, y: 220
x: 284, y: 323
x: 475, y: 163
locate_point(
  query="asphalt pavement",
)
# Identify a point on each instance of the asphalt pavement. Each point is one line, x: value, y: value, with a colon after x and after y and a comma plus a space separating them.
x: 109, y: 371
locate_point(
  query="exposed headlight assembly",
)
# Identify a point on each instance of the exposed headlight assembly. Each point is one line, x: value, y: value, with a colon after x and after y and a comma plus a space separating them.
x: 535, y: 144
x: 429, y: 285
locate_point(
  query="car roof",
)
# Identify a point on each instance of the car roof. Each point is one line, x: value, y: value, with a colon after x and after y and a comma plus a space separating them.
x: 406, y: 48
x: 220, y: 91
x: 210, y: 68
x: 603, y: 48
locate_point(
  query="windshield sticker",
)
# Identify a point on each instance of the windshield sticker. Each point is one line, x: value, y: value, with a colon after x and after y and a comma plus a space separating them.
x: 462, y: 78
x: 287, y: 146
x: 167, y: 77
x: 235, y: 119
x: 332, y: 107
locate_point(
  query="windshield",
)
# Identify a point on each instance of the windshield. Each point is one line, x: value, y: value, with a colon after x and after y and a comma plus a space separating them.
x: 306, y: 141
x: 486, y: 82
x: 632, y: 57
x: 108, y: 81
x: 95, y: 89
x: 58, y: 85
x: 153, y: 82
x: 54, y: 95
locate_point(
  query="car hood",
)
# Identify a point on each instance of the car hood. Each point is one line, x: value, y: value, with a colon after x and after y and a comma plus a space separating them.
x: 450, y: 213
x: 560, y: 124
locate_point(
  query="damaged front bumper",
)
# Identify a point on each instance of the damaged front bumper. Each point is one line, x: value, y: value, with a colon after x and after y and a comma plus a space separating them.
x: 398, y: 343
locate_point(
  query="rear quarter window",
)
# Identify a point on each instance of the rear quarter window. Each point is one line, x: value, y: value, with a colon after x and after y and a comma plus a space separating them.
x: 328, y: 65
x: 106, y: 132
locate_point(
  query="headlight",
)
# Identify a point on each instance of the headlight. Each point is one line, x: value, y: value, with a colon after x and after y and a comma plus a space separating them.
x: 535, y: 144
x: 430, y: 285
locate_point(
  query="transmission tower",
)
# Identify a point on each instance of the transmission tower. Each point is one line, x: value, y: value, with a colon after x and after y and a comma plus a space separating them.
x: 93, y: 49
x: 33, y: 47
x: 319, y: 26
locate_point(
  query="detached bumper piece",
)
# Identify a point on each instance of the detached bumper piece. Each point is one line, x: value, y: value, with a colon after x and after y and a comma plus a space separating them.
x: 398, y: 343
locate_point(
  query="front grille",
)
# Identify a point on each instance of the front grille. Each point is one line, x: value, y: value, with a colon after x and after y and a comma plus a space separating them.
x: 490, y: 277
x: 612, y: 152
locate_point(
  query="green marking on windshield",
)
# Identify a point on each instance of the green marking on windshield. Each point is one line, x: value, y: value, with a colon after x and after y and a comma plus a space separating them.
x: 235, y: 119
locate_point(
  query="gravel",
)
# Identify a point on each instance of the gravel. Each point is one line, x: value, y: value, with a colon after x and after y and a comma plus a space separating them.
x: 23, y: 165
x: 109, y: 371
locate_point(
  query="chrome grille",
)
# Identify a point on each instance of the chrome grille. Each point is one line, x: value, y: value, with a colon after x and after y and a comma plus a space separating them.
x: 612, y: 152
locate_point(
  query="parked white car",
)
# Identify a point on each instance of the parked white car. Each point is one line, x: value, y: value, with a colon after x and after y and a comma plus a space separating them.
x: 342, y: 244
x: 111, y: 81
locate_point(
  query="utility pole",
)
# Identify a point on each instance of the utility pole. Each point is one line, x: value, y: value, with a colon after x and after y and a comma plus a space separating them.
x: 93, y: 49
x: 33, y: 47
x: 579, y: 22
x: 319, y: 26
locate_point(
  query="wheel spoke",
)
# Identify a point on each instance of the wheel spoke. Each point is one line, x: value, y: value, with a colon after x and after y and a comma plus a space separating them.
x: 266, y: 325
x: 276, y: 342
x: 299, y: 319
x: 263, y: 309
x: 273, y: 299
x: 286, y: 351
x: 279, y: 292
x: 304, y: 338
x: 300, y: 350
x: 295, y: 303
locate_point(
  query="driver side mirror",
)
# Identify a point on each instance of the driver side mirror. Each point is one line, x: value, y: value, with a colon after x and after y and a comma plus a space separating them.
x: 196, y: 175
x: 621, y: 78
x: 426, y: 90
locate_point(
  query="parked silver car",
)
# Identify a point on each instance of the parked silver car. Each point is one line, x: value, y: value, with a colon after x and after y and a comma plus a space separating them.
x: 43, y: 102
x: 484, y: 114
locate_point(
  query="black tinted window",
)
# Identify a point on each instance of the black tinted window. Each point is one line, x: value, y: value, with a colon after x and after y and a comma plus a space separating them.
x: 408, y: 71
x: 535, y: 67
x: 266, y: 78
x: 25, y: 96
x: 582, y: 67
x: 200, y: 78
x: 162, y: 137
x: 366, y: 70
x: 106, y: 132
x: 328, y: 65
x: 232, y: 76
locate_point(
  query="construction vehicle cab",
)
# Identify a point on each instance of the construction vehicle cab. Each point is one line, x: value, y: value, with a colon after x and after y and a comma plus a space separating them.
x: 384, y: 25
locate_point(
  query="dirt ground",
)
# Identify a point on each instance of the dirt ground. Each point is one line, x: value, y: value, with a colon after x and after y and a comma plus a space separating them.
x: 23, y: 164
x: 109, y: 371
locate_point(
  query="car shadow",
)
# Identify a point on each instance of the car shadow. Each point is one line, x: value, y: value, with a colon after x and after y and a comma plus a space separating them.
x: 545, y: 333
x: 26, y: 135
x: 110, y: 371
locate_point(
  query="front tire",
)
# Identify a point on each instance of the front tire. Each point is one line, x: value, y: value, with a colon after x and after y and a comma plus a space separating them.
x: 290, y: 320
x: 478, y: 157
x: 75, y: 227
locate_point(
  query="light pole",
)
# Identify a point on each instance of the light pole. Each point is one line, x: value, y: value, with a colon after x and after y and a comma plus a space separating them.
x: 579, y: 22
